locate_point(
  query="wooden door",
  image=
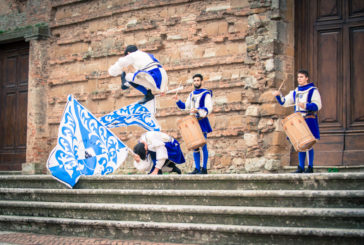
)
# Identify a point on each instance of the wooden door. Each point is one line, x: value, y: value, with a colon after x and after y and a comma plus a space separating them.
x: 13, y: 104
x: 329, y: 42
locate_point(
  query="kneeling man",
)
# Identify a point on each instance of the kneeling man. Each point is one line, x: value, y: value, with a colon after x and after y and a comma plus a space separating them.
x: 158, y: 152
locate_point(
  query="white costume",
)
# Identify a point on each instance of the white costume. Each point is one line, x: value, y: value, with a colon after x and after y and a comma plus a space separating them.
x: 149, y: 73
x: 200, y: 99
x: 301, y: 96
x: 160, y: 148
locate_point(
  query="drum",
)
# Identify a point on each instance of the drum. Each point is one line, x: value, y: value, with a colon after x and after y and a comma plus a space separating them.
x: 191, y: 132
x: 298, y: 132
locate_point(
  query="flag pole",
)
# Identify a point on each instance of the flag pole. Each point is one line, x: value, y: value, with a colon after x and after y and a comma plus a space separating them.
x: 171, y: 91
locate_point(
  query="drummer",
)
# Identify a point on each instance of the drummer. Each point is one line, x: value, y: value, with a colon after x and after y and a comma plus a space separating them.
x: 306, y: 100
x: 199, y: 103
x: 157, y: 152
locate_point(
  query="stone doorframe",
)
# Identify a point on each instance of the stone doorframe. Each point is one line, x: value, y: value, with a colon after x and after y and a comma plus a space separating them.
x: 37, y: 36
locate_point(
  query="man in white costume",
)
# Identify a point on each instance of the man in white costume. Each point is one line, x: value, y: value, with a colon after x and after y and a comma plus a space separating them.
x: 149, y: 77
x: 199, y: 103
x: 157, y: 152
x: 306, y: 100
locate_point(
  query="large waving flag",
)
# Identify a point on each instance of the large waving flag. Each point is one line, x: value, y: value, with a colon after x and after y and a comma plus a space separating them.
x: 84, y: 146
x: 134, y: 114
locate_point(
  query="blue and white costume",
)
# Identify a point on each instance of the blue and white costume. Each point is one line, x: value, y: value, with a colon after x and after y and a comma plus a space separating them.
x: 160, y: 148
x: 149, y: 72
x: 200, y: 99
x: 310, y: 96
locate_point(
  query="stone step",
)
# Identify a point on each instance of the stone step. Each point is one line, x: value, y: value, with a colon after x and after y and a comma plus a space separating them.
x: 182, y: 232
x: 10, y: 172
x: 259, y: 198
x: 327, y: 169
x: 317, y: 181
x: 227, y: 215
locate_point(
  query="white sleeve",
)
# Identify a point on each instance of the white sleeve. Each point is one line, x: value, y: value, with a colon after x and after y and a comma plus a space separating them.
x: 142, y: 165
x: 316, y: 98
x: 188, y: 103
x: 155, y: 142
x: 117, y: 68
x: 208, y: 105
x: 288, y: 99
x: 162, y: 156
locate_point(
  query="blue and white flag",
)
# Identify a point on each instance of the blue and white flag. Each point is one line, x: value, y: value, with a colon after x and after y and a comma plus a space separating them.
x: 134, y: 114
x: 84, y: 146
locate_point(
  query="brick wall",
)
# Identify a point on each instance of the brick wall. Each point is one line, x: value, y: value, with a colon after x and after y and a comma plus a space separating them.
x: 243, y: 48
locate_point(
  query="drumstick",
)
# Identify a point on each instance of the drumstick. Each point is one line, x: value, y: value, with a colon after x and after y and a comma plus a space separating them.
x: 179, y: 85
x: 281, y: 85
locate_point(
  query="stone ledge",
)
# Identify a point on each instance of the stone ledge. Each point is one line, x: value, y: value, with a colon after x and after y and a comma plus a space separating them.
x: 110, y: 12
x: 34, y: 32
x: 241, y: 177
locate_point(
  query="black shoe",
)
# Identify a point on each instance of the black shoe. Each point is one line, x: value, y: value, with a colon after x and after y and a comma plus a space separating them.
x: 195, y: 171
x: 203, y: 171
x: 149, y: 96
x: 123, y: 81
x: 299, y: 170
x: 309, y: 170
x: 160, y: 171
x: 176, y: 170
x: 172, y: 165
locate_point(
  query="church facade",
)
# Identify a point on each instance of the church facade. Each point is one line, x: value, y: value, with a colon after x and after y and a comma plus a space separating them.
x: 245, y: 49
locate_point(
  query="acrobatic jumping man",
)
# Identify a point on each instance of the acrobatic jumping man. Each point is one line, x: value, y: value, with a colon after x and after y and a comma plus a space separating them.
x: 149, y: 76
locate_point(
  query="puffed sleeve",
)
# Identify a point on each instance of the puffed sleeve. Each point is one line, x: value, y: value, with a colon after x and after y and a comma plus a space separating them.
x: 117, y: 68
x: 162, y: 156
x: 287, y: 100
x: 142, y: 165
x: 186, y: 105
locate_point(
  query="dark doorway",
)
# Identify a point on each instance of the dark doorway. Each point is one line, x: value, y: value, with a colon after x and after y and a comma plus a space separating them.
x: 329, y: 42
x: 14, y: 67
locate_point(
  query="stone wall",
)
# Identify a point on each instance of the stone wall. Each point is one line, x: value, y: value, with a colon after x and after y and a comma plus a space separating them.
x: 244, y: 49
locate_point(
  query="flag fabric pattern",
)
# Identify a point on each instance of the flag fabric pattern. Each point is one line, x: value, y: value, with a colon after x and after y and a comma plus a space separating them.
x: 84, y: 146
x: 134, y: 114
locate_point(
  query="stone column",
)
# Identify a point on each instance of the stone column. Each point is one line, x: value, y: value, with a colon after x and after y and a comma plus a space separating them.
x: 37, y: 134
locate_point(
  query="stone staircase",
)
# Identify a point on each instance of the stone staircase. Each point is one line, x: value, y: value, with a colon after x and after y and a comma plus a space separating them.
x: 320, y: 208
